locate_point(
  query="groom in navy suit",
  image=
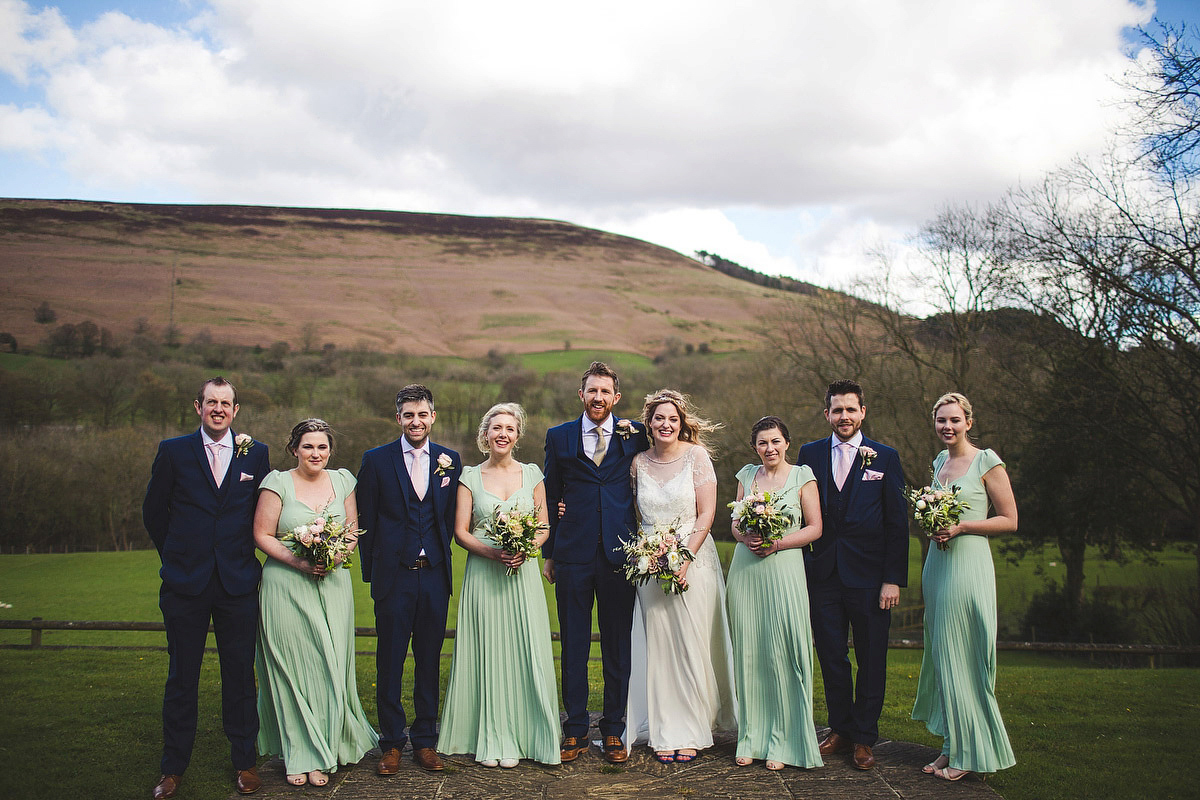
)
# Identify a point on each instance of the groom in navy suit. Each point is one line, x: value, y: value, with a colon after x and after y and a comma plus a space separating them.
x: 587, y: 470
x: 406, y: 499
x: 199, y: 512
x: 855, y: 570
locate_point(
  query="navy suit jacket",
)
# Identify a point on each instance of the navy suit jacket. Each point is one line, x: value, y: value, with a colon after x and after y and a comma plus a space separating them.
x: 599, y: 499
x: 199, y: 528
x: 384, y: 491
x: 869, y: 545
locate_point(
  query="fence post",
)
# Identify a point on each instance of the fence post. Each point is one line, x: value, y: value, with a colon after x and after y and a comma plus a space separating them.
x: 35, y: 634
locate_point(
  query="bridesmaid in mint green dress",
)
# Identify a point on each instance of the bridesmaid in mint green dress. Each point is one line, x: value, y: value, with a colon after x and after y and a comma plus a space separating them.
x: 956, y: 692
x: 308, y: 706
x: 501, y: 704
x: 767, y: 596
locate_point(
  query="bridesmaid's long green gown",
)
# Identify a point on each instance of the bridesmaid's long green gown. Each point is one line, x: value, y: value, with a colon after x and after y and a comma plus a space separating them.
x: 308, y: 706
x: 956, y: 692
x: 502, y: 700
x: 772, y: 644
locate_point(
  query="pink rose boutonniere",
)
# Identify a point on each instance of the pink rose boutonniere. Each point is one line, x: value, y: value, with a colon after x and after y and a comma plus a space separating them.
x: 626, y: 428
x: 444, y: 463
x: 867, y: 454
x: 242, y: 444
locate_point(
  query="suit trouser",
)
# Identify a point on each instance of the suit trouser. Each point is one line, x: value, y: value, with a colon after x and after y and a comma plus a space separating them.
x: 235, y: 623
x: 836, y: 609
x: 414, y: 609
x: 575, y: 588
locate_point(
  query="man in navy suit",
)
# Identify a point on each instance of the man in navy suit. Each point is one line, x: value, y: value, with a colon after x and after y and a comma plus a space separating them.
x: 587, y: 470
x: 406, y: 498
x: 855, y: 570
x: 199, y: 511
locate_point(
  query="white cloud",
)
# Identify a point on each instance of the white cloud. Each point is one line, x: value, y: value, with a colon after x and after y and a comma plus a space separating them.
x: 647, y: 118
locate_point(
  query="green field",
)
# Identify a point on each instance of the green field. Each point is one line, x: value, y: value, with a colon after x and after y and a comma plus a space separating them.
x: 1078, y: 731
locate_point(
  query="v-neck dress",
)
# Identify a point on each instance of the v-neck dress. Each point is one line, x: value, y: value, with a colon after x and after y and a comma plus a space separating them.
x: 956, y: 695
x: 308, y: 705
x: 502, y: 700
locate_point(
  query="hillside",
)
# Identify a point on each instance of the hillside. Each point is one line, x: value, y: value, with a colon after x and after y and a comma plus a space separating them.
x: 424, y: 283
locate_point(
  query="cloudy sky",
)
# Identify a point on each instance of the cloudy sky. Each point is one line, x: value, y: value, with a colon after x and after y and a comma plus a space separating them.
x: 788, y: 135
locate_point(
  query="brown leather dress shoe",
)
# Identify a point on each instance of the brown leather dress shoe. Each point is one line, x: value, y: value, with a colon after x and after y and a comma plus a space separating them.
x: 247, y: 781
x: 389, y: 762
x: 572, y: 748
x: 427, y: 758
x: 835, y: 743
x: 863, y: 757
x: 167, y: 786
x: 614, y: 750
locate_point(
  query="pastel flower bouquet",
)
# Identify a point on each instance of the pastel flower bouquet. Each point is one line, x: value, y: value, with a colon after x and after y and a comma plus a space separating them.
x: 324, y: 542
x: 515, y: 532
x: 936, y: 509
x: 657, y: 554
x: 761, y: 513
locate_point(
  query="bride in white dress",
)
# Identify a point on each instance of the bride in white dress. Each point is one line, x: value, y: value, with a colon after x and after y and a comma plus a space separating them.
x: 681, y: 681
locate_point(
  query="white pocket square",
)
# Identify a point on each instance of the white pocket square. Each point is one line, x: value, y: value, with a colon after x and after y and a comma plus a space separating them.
x: 445, y: 481
x: 246, y: 477
x: 872, y: 475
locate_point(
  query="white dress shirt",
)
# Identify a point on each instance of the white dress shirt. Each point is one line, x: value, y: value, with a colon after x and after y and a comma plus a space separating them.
x: 589, y: 434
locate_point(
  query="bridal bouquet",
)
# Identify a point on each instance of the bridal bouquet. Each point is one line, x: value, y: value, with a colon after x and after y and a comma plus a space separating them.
x: 324, y: 542
x: 763, y: 514
x: 936, y: 509
x: 515, y: 532
x: 657, y: 554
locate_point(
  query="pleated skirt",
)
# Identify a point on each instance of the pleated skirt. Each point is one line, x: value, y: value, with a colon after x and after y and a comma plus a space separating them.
x: 956, y: 691
x: 308, y: 706
x: 502, y: 700
x: 772, y: 657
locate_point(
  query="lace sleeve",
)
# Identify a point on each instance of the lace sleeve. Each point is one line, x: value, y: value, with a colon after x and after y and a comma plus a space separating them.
x: 702, y: 467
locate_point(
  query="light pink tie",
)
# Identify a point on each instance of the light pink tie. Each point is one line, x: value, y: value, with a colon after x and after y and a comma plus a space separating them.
x: 420, y: 480
x: 214, y: 462
x: 845, y: 461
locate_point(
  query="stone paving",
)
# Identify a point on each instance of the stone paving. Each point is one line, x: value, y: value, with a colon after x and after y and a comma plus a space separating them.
x: 897, y: 774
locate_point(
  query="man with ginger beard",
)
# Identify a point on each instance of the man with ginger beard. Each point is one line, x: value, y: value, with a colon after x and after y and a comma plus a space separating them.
x: 587, y: 471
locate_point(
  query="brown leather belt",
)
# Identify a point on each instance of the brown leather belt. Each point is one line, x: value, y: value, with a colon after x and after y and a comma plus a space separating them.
x: 421, y: 563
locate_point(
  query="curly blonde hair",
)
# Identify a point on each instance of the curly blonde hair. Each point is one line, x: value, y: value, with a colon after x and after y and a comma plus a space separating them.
x: 514, y: 410
x: 692, y: 427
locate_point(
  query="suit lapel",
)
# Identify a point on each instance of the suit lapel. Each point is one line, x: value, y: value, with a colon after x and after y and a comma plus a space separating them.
x: 825, y: 464
x: 855, y: 476
x: 439, y: 494
x: 202, y: 458
x: 402, y: 476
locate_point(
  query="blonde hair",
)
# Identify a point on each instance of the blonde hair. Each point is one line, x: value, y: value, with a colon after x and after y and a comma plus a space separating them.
x: 514, y: 410
x: 692, y: 427
x: 954, y: 397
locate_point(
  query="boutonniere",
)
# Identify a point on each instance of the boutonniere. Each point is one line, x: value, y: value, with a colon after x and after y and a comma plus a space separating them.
x: 867, y: 455
x: 626, y: 428
x: 242, y: 444
x: 444, y: 463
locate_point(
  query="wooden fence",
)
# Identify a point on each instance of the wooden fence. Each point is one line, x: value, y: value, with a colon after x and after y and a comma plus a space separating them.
x: 36, y: 625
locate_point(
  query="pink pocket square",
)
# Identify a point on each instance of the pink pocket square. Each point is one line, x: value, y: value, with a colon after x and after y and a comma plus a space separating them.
x: 872, y: 475
x: 246, y: 477
x: 445, y: 481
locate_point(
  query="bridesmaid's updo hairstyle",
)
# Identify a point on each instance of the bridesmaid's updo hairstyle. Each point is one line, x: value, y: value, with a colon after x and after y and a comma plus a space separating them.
x: 513, y: 410
x: 692, y: 427
x: 312, y: 425
x: 766, y: 424
x: 954, y: 397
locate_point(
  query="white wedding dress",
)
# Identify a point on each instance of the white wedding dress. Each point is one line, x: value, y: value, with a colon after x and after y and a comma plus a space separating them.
x: 681, y: 681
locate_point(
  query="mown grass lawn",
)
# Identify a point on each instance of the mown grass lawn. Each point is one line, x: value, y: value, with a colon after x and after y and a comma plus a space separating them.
x: 82, y: 723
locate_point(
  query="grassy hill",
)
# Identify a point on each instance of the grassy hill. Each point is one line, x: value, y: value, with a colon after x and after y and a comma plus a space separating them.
x: 434, y: 284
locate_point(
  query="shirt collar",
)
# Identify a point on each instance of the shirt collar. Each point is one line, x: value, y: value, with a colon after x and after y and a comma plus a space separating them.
x: 224, y: 441
x: 855, y: 440
x: 408, y: 448
x: 607, y: 425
